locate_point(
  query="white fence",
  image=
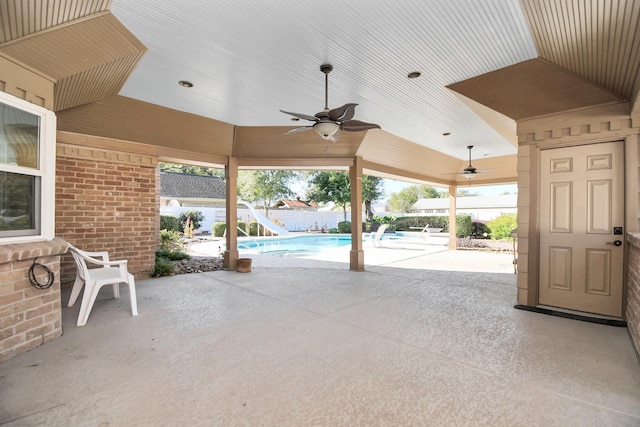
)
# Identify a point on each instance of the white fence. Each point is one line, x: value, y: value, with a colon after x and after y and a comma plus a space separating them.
x: 291, y: 220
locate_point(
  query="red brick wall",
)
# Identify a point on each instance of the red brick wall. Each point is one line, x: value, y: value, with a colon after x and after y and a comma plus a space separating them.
x: 29, y: 316
x: 633, y: 290
x: 107, y: 200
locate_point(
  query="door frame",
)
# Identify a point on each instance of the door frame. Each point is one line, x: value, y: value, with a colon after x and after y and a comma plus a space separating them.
x: 529, y: 267
x: 563, y: 301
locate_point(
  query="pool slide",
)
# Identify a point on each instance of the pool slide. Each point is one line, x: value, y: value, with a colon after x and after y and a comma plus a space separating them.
x: 264, y: 221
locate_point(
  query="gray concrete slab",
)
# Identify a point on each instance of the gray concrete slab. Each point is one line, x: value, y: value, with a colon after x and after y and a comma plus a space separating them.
x: 307, y: 342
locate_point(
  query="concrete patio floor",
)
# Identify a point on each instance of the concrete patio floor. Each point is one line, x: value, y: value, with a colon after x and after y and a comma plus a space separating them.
x: 317, y: 344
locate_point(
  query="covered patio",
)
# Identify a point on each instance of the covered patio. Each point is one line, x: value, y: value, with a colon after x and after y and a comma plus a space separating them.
x: 403, y: 343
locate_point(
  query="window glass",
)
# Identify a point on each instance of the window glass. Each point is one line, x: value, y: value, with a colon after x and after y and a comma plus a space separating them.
x: 19, y: 130
x: 19, y: 201
x: 27, y: 171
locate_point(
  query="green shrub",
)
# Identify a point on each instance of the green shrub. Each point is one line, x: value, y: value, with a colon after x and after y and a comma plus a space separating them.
x: 172, y: 256
x: 463, y: 225
x: 218, y: 228
x: 162, y: 267
x: 344, y: 227
x: 170, y: 223
x: 333, y: 231
x: 411, y: 223
x: 254, y: 228
x: 170, y: 241
x: 242, y: 226
x: 439, y: 222
x: 196, y: 219
x: 480, y: 230
x: 502, y: 226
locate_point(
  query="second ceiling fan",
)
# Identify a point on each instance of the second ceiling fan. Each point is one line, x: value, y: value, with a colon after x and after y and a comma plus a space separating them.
x: 470, y: 171
x: 328, y: 122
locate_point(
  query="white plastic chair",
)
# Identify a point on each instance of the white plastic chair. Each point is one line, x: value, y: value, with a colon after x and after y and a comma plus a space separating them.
x: 112, y: 273
x: 378, y: 235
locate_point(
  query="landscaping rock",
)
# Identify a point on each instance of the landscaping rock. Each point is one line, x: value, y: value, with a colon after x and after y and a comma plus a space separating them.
x: 197, y: 265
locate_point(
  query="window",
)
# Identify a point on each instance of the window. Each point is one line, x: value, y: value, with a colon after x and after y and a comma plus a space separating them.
x: 27, y: 171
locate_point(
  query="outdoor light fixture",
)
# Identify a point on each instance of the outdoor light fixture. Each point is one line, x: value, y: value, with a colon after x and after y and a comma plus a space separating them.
x: 468, y: 175
x: 326, y: 129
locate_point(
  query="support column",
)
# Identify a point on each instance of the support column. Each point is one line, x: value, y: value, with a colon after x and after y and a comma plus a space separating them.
x: 231, y: 177
x: 356, y: 261
x: 453, y: 241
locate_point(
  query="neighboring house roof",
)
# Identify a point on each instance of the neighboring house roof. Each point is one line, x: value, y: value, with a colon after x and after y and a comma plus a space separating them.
x: 295, y: 204
x: 182, y: 186
x: 471, y: 202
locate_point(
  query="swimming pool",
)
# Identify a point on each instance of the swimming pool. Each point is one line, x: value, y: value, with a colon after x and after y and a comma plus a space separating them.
x: 310, y: 244
x: 294, y: 245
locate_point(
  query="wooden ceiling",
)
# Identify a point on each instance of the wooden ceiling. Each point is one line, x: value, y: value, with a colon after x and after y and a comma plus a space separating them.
x: 250, y: 59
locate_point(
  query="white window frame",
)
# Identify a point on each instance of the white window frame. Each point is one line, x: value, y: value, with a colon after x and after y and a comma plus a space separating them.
x: 46, y: 170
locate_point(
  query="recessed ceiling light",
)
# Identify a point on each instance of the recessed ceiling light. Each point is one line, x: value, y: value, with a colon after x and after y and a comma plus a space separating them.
x: 185, y: 83
x: 446, y: 134
x: 414, y: 74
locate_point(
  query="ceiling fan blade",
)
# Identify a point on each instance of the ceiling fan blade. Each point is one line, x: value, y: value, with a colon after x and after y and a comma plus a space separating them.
x: 341, y: 114
x: 301, y: 116
x: 357, y: 125
x: 296, y: 130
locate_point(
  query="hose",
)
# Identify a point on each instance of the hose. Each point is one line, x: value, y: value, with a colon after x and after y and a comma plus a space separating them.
x: 34, y: 280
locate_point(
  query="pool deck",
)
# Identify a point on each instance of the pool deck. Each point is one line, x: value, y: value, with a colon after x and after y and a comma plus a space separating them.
x: 418, y: 338
x: 391, y: 254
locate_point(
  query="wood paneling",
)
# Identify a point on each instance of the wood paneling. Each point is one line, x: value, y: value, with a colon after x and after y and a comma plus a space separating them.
x: 131, y: 120
x: 20, y: 18
x: 25, y: 84
x: 597, y: 40
x: 89, y: 60
x: 534, y: 88
x: 270, y: 142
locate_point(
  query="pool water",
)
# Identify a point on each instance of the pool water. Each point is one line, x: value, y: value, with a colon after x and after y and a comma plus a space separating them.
x: 294, y: 245
x: 311, y: 244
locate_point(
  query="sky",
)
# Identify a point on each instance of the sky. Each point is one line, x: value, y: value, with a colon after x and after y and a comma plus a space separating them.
x: 392, y: 186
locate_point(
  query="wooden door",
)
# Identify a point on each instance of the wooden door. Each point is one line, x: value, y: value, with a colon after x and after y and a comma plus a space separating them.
x: 581, y: 218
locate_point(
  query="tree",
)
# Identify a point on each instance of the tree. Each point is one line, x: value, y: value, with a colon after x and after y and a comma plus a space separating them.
x: 265, y: 186
x: 429, y: 192
x: 191, y: 170
x: 330, y: 186
x: 372, y: 189
x: 404, y: 200
x: 462, y: 192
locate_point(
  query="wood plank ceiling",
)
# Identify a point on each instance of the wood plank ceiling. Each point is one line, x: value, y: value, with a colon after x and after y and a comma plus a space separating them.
x: 249, y: 59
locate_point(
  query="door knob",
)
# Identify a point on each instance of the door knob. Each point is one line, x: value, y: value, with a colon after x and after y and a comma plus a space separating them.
x: 615, y: 243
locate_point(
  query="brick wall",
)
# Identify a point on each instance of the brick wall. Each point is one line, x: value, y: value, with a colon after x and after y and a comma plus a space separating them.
x: 29, y: 316
x: 107, y: 200
x: 633, y: 290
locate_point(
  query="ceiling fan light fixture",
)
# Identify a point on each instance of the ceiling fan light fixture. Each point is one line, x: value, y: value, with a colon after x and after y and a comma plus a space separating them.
x: 326, y: 129
x: 468, y: 175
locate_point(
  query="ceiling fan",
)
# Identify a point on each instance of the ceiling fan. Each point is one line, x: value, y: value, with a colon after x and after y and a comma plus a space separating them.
x: 329, y: 122
x: 470, y: 171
